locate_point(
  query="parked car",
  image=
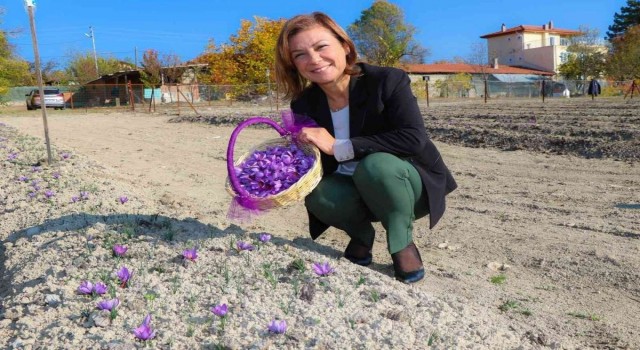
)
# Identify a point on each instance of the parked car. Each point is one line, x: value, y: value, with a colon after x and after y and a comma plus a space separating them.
x: 52, y: 98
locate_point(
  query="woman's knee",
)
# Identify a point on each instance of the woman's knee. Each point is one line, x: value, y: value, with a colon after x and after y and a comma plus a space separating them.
x: 379, y: 167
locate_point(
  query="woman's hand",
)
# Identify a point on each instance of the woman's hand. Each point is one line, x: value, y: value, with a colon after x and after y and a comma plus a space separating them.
x: 319, y: 137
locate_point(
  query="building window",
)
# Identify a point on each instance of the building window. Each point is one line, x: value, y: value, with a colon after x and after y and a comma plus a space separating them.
x: 564, y: 57
x: 564, y: 42
x: 552, y: 41
x: 519, y: 37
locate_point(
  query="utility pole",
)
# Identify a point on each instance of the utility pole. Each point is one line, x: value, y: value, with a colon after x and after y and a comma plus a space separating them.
x: 30, y: 4
x: 95, y: 56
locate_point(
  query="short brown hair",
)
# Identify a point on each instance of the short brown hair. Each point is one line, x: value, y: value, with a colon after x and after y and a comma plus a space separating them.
x: 287, y: 75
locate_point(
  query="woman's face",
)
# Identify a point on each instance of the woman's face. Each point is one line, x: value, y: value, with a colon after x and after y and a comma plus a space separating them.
x: 318, y: 55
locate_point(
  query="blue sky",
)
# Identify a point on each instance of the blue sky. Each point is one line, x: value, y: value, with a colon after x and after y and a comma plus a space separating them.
x: 447, y: 28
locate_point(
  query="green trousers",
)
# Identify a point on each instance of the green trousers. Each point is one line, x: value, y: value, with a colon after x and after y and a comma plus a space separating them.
x: 383, y: 188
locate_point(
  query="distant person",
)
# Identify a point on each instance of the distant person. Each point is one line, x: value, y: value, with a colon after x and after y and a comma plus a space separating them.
x: 594, y: 88
x: 378, y: 162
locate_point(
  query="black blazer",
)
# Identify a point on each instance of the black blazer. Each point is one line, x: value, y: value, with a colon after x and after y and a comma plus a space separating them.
x: 383, y: 117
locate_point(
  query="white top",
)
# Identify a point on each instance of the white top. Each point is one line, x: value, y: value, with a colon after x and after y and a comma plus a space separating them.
x: 343, y: 148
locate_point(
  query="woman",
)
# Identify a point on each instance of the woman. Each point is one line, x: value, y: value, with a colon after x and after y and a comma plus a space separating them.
x: 378, y: 162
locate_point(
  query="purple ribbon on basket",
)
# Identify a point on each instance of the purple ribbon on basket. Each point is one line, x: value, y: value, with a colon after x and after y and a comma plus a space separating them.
x: 244, y: 205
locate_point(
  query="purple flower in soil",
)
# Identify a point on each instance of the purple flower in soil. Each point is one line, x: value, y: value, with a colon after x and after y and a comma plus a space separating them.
x: 56, y: 175
x: 36, y: 169
x: 85, y: 288
x: 220, y: 310
x: 49, y: 193
x: 124, y: 276
x: 323, y: 269
x: 65, y: 155
x: 108, y: 304
x: 190, y: 254
x: 277, y: 326
x: 100, y: 288
x: 123, y: 199
x: 84, y: 195
x: 119, y: 250
x: 23, y: 178
x: 244, y: 246
x: 264, y: 237
x: 144, y: 331
x: 32, y: 194
x: 74, y: 199
x: 13, y: 156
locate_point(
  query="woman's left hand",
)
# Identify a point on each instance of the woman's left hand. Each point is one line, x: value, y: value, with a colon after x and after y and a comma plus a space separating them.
x: 319, y: 137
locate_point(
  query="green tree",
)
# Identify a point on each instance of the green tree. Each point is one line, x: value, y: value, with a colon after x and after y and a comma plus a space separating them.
x: 628, y: 16
x: 81, y: 66
x: 586, y: 55
x: 624, y: 61
x: 247, y: 57
x: 13, y: 70
x: 458, y: 84
x: 382, y: 36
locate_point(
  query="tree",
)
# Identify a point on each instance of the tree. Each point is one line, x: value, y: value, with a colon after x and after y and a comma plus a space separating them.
x: 247, y: 57
x: 382, y: 36
x: 13, y: 70
x: 81, y: 66
x: 624, y: 61
x: 151, y: 69
x: 457, y: 83
x: 628, y: 16
x: 586, y: 56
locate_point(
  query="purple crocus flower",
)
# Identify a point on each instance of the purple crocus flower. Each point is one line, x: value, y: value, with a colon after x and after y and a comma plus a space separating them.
x: 220, y: 310
x: 244, y: 246
x: 84, y: 195
x: 119, y: 250
x: 85, y: 288
x: 323, y: 269
x: 124, y: 275
x: 123, y: 199
x: 49, y: 193
x: 277, y: 326
x: 264, y: 237
x: 65, y: 155
x: 36, y: 169
x: 144, y: 331
x: 190, y: 254
x: 12, y: 156
x: 74, y: 199
x: 56, y: 175
x: 23, y: 178
x: 32, y: 194
x: 108, y: 304
x: 99, y: 288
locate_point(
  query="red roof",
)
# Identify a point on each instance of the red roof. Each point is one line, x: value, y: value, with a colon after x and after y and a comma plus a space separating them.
x: 469, y: 68
x: 532, y: 29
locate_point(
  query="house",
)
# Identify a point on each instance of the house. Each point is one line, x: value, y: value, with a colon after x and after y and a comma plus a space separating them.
x: 501, y: 80
x: 536, y: 47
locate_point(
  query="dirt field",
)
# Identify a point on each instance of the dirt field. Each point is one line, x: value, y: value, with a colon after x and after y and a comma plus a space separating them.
x: 543, y: 231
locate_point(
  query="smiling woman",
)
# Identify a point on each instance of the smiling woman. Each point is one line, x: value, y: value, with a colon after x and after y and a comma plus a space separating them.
x: 378, y: 163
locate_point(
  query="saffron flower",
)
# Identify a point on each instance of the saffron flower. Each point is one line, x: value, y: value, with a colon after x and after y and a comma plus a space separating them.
x: 99, y: 288
x: 32, y: 194
x: 84, y: 195
x: 244, y: 246
x: 23, y: 178
x: 12, y: 156
x: 74, y: 199
x: 264, y: 237
x: 49, y: 193
x: 144, y: 331
x: 220, y: 310
x: 323, y: 269
x: 85, y: 288
x: 36, y: 169
x: 108, y: 304
x: 277, y: 326
x: 123, y: 199
x: 190, y: 254
x: 119, y: 250
x: 124, y: 276
x: 65, y: 155
x: 56, y: 175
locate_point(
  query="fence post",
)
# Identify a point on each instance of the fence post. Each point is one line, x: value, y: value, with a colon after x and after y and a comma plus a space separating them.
x: 178, y: 95
x: 542, y: 90
x: 131, y: 97
x: 426, y: 87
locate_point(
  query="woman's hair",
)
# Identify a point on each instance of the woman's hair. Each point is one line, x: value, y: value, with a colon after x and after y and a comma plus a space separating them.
x: 287, y: 75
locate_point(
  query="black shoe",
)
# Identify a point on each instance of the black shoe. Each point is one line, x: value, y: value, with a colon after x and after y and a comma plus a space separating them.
x: 409, y: 253
x: 365, y: 257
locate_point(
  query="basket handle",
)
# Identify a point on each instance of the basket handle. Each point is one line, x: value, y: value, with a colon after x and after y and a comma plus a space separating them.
x: 233, y: 179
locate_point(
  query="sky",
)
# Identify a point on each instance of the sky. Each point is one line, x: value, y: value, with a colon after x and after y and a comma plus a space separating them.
x: 124, y: 27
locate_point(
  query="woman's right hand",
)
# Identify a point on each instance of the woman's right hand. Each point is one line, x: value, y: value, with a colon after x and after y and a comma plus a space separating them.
x: 319, y: 137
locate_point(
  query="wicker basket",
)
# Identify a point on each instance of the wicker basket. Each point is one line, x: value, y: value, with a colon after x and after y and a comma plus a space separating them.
x: 296, y: 192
